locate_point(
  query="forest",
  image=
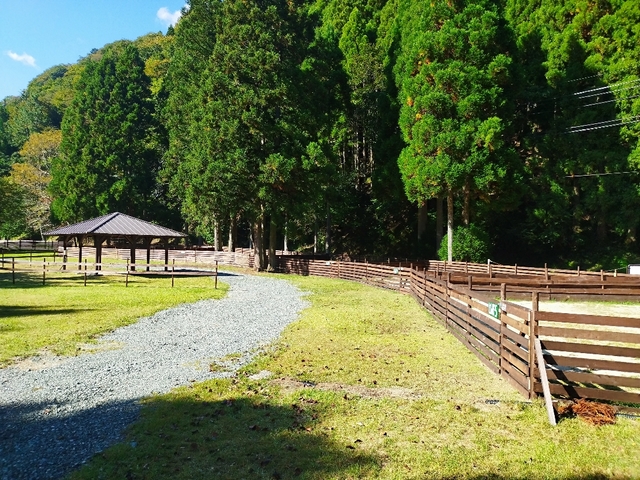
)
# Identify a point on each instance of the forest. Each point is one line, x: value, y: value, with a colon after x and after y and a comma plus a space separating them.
x: 464, y: 129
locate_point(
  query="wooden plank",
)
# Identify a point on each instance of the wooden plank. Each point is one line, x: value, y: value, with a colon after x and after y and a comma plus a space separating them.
x: 592, y: 364
x: 517, y: 375
x: 515, y: 361
x: 515, y: 337
x: 591, y: 393
x: 589, y: 348
x: 589, y: 334
x: 584, y: 377
x: 545, y: 382
x: 588, y: 319
x: 523, y: 391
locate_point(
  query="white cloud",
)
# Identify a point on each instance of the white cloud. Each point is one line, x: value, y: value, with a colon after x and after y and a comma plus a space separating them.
x: 25, y: 58
x: 167, y: 17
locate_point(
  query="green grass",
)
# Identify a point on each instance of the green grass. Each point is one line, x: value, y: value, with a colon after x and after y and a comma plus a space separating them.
x: 64, y: 314
x: 394, y: 396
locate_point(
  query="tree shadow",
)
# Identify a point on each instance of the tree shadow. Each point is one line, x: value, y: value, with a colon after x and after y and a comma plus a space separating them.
x: 177, y: 437
x: 38, y: 441
x: 9, y: 311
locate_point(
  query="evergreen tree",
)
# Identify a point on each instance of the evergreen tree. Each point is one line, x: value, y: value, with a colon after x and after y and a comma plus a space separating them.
x: 452, y: 74
x: 108, y: 159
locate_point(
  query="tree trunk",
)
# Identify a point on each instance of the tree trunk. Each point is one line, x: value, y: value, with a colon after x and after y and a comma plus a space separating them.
x: 258, y: 244
x: 438, y: 222
x: 466, y: 209
x: 450, y: 225
x: 327, y: 239
x: 272, y: 244
x: 216, y: 235
x: 233, y: 229
x: 422, y: 219
x: 315, y: 237
x: 285, y: 245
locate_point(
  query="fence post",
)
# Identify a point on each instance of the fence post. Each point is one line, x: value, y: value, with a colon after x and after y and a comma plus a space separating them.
x: 85, y: 272
x: 470, y: 282
x: 546, y: 272
x: 13, y: 270
x: 366, y: 270
x: 126, y: 281
x: 400, y: 276
x: 516, y: 270
x: 216, y: 284
x: 447, y: 290
x: 64, y: 259
x: 44, y: 270
x: 173, y: 269
x: 535, y: 302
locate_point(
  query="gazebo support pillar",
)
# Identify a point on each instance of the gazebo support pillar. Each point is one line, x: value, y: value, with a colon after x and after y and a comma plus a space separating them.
x: 97, y: 241
x: 147, y: 244
x: 79, y: 239
x: 166, y: 255
x: 132, y: 241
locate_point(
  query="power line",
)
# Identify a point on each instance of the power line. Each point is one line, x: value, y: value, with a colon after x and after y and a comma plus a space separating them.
x: 600, y: 174
x: 635, y: 120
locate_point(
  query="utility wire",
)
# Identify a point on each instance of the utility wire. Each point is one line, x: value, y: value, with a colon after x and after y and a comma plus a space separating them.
x: 600, y: 174
x: 605, y: 126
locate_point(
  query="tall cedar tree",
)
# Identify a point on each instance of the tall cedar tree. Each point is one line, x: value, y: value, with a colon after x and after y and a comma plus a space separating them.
x: 451, y: 75
x: 254, y: 144
x: 107, y: 161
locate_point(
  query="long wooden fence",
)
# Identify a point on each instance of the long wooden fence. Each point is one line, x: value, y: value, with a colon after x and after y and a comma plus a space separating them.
x: 586, y: 356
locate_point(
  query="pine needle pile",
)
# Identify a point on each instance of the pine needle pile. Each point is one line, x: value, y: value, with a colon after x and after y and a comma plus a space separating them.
x: 591, y: 412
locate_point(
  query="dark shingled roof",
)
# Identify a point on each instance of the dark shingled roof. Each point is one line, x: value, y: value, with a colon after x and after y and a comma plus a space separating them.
x: 116, y: 224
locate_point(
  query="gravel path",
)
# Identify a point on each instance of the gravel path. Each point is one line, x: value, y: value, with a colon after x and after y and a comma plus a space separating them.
x: 55, y: 413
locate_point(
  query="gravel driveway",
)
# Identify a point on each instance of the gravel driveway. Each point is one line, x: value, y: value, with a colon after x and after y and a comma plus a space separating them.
x: 55, y: 413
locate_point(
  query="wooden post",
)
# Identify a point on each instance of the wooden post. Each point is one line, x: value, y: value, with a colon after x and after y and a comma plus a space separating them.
x: 366, y: 270
x: 44, y: 270
x: 64, y: 259
x: 216, y: 284
x: 546, y: 272
x: 466, y: 267
x: 516, y: 269
x: 447, y: 300
x: 338, y: 269
x: 13, y: 270
x: 54, y: 256
x: 503, y: 292
x: 470, y: 282
x: 400, y: 276
x: 533, y: 331
x: 545, y: 383
x: 601, y: 275
x: 85, y: 272
x: 173, y: 269
x: 490, y: 268
x: 126, y: 284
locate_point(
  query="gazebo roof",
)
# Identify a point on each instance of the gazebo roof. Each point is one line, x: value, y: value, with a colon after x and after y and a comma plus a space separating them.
x: 116, y: 224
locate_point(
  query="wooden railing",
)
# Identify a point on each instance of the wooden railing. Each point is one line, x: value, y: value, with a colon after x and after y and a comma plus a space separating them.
x: 586, y: 356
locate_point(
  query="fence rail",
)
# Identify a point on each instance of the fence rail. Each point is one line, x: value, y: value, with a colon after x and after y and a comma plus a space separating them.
x: 586, y: 356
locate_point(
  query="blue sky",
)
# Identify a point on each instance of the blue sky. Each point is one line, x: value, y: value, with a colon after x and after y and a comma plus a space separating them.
x: 38, y: 34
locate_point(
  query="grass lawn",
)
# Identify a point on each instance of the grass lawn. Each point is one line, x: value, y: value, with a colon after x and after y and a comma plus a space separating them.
x: 63, y: 315
x: 364, y: 385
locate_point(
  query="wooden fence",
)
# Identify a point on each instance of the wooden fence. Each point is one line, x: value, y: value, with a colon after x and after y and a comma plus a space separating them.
x: 32, y: 245
x: 52, y: 270
x: 586, y: 356
x: 240, y: 258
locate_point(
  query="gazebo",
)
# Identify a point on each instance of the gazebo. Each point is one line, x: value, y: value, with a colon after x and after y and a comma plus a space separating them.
x: 116, y: 226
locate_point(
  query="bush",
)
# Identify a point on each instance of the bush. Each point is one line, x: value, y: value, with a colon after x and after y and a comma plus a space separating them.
x: 470, y: 244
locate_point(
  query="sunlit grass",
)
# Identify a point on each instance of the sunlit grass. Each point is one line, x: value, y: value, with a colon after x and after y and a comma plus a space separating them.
x: 64, y: 313
x: 364, y: 385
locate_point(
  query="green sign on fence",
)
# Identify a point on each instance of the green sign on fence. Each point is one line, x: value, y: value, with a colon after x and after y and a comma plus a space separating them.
x: 493, y: 309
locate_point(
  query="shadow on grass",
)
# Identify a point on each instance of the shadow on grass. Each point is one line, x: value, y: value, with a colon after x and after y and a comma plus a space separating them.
x: 229, y: 439
x: 9, y: 311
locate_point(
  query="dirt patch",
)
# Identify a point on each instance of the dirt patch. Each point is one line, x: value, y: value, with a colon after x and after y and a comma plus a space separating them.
x: 39, y: 362
x: 289, y: 385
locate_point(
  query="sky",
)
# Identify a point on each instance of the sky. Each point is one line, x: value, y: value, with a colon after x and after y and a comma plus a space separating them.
x: 38, y: 34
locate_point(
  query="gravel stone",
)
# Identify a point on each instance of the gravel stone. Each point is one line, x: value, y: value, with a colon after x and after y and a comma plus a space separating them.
x: 59, y: 412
